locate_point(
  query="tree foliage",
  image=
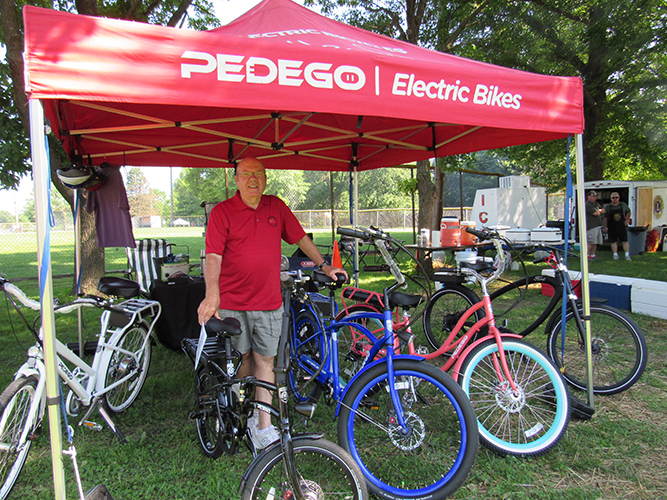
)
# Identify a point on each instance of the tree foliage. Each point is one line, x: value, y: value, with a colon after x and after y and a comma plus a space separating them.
x: 617, y: 48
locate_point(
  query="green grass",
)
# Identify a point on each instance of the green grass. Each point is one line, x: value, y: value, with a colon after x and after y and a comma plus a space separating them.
x: 620, y: 453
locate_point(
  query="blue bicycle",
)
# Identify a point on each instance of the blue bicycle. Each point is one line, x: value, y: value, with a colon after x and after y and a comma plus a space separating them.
x: 408, y: 425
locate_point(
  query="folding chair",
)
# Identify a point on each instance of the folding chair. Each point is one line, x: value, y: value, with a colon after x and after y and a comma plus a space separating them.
x: 141, y: 261
x: 325, y: 250
x: 346, y: 249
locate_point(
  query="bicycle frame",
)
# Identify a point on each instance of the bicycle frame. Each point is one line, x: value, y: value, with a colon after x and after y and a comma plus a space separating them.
x: 460, y: 351
x: 329, y: 369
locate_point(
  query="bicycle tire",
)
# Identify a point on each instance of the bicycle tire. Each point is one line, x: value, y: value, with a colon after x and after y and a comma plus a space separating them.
x: 122, y: 396
x: 444, y: 309
x: 525, y: 426
x: 434, y: 459
x: 326, y: 469
x: 519, y: 318
x: 208, y: 418
x: 15, y: 404
x: 305, y: 343
x: 619, y: 349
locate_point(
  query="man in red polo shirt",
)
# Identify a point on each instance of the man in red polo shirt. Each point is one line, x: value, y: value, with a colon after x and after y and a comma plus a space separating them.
x: 244, y: 233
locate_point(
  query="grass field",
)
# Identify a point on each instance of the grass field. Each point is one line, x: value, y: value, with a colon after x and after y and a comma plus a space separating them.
x: 620, y: 453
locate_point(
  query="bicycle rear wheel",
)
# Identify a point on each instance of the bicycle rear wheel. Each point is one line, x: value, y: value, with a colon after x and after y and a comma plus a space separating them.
x: 618, y: 345
x: 529, y: 423
x: 306, y: 345
x: 433, y: 459
x: 529, y: 306
x: 213, y: 436
x: 444, y: 310
x: 120, y: 365
x: 325, y: 469
x: 15, y: 423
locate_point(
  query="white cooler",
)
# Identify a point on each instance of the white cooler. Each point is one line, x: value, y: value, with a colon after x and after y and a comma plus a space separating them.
x: 546, y: 235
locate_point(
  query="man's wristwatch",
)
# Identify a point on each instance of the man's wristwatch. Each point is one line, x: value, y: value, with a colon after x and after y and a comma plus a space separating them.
x: 321, y: 266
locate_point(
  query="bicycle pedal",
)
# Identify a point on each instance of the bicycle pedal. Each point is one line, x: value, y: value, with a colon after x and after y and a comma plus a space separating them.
x: 91, y: 425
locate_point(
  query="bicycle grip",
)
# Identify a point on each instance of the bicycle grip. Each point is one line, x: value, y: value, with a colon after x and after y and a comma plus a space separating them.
x: 481, y: 235
x: 348, y: 231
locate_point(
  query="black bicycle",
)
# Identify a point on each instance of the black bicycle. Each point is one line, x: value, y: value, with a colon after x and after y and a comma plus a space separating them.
x: 302, y: 466
x: 618, y: 344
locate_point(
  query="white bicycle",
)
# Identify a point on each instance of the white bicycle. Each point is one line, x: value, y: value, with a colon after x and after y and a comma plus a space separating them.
x: 110, y: 385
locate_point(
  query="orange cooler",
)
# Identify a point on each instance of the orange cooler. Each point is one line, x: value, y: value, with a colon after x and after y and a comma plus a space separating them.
x: 450, y: 232
x: 466, y: 237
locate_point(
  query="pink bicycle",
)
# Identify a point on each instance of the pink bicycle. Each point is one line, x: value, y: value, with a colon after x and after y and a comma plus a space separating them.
x: 520, y: 399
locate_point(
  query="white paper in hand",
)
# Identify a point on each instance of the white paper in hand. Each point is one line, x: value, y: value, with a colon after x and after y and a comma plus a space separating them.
x: 200, y: 345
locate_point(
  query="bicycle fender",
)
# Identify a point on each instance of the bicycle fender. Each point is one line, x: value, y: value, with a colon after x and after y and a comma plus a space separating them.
x: 277, y: 444
x: 397, y: 357
x: 468, y: 350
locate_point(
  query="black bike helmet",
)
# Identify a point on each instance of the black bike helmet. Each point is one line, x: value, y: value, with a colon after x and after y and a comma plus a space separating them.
x: 74, y: 178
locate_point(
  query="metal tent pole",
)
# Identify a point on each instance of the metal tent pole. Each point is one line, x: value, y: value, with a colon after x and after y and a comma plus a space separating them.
x: 41, y: 171
x: 585, y: 285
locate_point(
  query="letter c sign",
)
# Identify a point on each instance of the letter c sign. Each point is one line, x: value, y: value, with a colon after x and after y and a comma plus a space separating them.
x: 483, y: 217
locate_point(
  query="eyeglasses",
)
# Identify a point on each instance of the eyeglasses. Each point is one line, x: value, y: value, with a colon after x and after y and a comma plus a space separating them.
x: 247, y: 175
x: 614, y: 197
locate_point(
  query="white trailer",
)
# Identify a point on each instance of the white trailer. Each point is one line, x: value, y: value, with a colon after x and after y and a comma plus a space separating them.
x: 646, y: 199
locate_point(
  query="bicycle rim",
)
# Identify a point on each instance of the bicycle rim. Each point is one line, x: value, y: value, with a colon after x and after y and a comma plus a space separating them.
x: 618, y: 347
x: 529, y: 423
x: 15, y: 402
x: 305, y: 346
x: 325, y: 469
x: 434, y: 458
x: 444, y: 310
x: 121, y: 365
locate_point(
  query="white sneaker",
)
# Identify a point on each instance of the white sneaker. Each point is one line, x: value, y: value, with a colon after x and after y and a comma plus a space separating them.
x: 253, y: 423
x: 615, y: 256
x: 262, y: 438
x: 627, y: 257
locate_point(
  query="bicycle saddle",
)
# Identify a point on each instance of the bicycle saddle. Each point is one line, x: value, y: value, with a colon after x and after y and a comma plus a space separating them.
x: 228, y: 327
x: 404, y: 300
x: 322, y: 279
x: 118, y: 287
x: 477, y: 266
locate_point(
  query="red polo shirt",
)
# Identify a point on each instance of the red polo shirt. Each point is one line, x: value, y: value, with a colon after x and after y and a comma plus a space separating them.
x: 249, y: 242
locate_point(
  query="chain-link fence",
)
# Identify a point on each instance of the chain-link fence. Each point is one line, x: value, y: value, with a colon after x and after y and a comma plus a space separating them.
x: 378, y: 189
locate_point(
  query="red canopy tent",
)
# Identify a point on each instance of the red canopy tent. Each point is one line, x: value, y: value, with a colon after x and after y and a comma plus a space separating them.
x: 294, y: 88
x: 284, y: 84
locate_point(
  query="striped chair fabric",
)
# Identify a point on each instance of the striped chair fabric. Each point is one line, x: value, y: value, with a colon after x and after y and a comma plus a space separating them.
x: 141, y: 261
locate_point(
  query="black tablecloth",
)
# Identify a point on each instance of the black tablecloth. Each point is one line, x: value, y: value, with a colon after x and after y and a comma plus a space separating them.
x: 179, y: 310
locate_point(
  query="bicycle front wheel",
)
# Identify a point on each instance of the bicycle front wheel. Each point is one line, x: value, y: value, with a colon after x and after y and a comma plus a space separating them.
x: 15, y: 430
x: 429, y: 459
x: 324, y: 468
x: 130, y: 369
x: 618, y: 346
x: 525, y: 423
x: 445, y: 309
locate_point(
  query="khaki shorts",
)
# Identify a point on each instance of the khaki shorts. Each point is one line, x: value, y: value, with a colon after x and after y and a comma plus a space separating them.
x: 260, y: 330
x: 594, y: 236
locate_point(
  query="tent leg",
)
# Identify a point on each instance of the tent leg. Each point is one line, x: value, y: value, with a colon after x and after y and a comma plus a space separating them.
x: 355, y: 216
x: 41, y: 173
x: 585, y: 285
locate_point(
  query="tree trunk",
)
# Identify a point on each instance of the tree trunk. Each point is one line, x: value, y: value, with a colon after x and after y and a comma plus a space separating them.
x: 594, y: 155
x: 438, y: 205
x: 92, y: 258
x: 427, y: 194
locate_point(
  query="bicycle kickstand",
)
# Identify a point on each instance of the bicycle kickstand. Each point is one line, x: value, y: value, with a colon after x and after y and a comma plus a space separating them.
x: 105, y: 415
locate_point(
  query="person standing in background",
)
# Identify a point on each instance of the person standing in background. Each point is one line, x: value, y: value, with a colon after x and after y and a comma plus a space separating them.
x: 615, y: 222
x: 594, y: 213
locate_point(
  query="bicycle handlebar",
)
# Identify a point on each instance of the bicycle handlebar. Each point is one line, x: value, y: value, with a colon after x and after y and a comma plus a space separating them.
x: 364, y: 233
